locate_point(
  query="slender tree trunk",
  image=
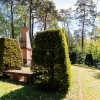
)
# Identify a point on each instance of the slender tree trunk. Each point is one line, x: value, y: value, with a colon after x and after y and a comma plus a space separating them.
x: 30, y: 19
x: 83, y: 36
x: 45, y: 21
x: 67, y: 27
x: 32, y: 24
x: 83, y: 30
x: 12, y: 24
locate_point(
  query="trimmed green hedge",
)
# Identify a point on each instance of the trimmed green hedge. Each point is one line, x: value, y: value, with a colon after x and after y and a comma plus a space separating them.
x: 10, y: 54
x: 51, y: 60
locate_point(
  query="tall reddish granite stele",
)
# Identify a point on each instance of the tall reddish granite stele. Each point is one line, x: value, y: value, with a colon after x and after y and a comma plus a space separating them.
x: 26, y: 46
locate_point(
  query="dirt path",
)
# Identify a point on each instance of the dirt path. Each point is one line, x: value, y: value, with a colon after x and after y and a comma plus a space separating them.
x: 80, y: 86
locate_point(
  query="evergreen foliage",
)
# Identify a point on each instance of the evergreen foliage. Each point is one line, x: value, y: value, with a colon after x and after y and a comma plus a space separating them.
x: 89, y: 60
x: 73, y: 58
x: 51, y: 60
x: 10, y: 54
x: 80, y: 57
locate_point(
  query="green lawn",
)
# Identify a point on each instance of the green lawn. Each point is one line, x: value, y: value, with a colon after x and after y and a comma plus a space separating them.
x: 85, y: 86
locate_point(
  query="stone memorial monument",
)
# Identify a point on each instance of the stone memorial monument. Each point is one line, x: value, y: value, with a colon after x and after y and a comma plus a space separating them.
x: 26, y: 45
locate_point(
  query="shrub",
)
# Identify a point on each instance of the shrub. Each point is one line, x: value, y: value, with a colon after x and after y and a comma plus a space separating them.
x: 73, y: 58
x: 89, y: 60
x: 51, y: 59
x: 80, y: 58
x: 10, y: 54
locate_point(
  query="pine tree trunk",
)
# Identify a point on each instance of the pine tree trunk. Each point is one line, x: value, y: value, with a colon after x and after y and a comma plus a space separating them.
x: 30, y: 20
x: 12, y: 24
x: 45, y: 21
x: 83, y: 31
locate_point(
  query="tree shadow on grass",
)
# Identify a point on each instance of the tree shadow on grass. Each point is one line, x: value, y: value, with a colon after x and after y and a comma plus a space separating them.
x: 97, y: 75
x: 8, y: 80
x: 88, y: 67
x: 93, y: 70
x: 29, y: 92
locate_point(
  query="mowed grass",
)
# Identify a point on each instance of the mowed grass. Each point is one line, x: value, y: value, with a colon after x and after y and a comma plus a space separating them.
x: 88, y: 77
